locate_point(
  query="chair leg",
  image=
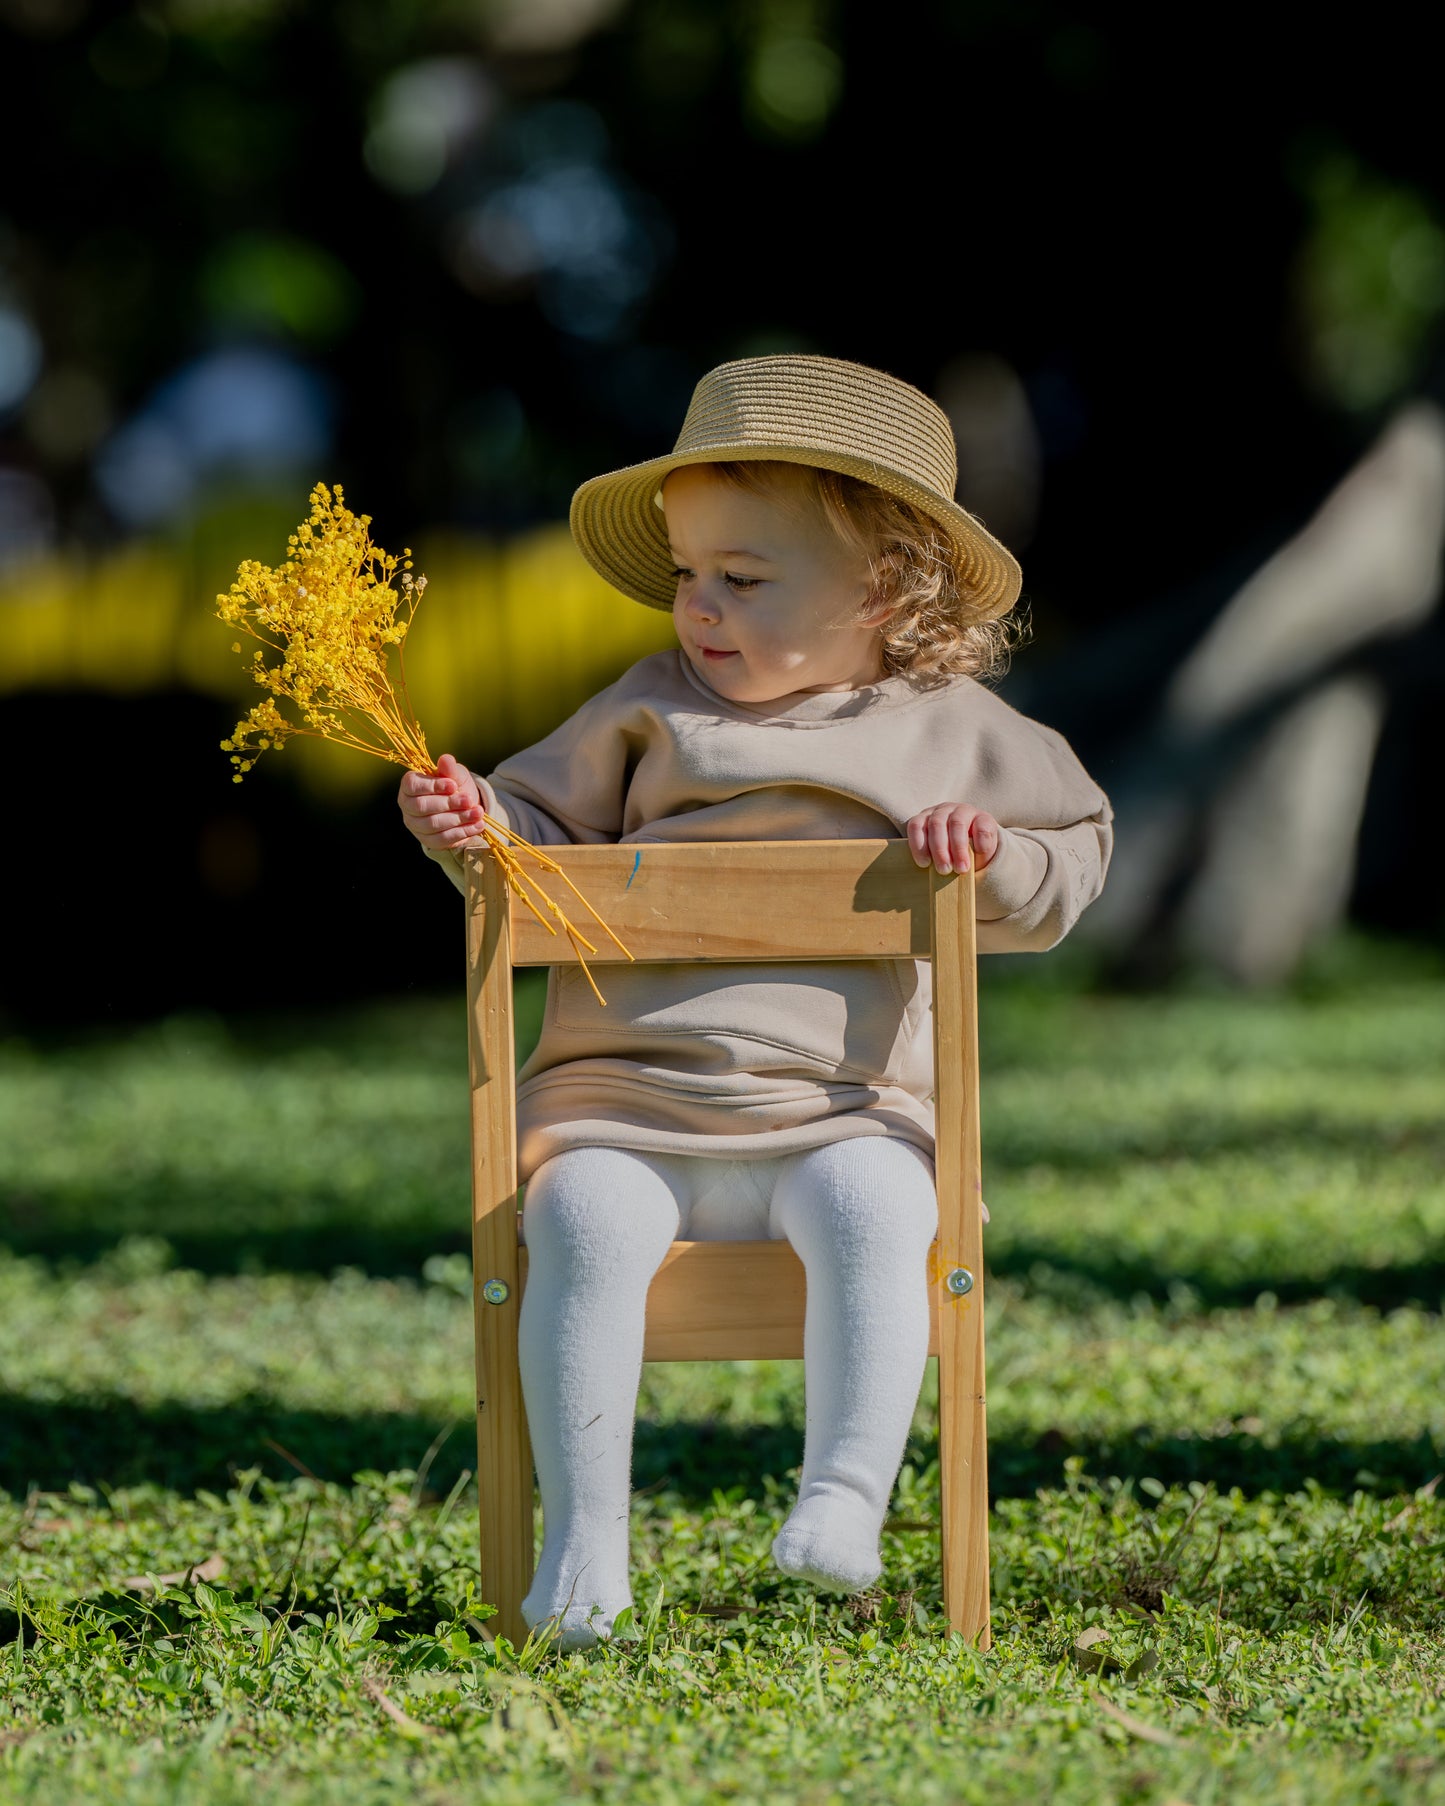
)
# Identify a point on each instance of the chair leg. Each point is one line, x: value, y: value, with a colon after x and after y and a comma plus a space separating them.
x: 963, y: 1467
x: 505, y: 1488
x: 504, y: 1449
x: 958, y: 1260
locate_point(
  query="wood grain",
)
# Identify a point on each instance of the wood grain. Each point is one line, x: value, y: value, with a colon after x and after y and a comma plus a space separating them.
x: 504, y: 1449
x: 730, y: 1301
x: 962, y: 1431
x: 744, y: 900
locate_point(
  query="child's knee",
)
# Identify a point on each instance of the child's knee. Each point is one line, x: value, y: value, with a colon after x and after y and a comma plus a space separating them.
x: 867, y: 1192
x: 597, y: 1209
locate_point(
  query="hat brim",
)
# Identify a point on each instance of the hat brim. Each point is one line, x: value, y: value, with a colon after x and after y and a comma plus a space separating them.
x: 622, y: 533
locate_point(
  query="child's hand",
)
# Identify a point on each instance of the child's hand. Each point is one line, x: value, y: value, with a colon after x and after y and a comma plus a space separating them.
x: 444, y: 811
x: 942, y: 836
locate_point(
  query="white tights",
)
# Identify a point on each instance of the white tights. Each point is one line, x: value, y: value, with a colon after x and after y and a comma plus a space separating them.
x: 861, y: 1214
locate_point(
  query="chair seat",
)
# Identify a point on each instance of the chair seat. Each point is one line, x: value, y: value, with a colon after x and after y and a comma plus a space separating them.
x: 730, y: 1301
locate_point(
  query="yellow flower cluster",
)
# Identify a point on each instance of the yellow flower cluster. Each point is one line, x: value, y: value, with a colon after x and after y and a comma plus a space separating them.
x: 332, y: 613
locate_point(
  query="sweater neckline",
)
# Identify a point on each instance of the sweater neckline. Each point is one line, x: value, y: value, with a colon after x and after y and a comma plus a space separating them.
x: 831, y: 705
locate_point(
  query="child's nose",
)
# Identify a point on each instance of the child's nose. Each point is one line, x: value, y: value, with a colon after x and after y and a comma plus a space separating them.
x: 700, y: 606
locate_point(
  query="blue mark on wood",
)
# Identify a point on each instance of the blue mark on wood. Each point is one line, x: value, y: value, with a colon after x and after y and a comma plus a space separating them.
x: 635, y: 863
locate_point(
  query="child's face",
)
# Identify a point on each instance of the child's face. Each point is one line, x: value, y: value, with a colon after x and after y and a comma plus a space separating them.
x: 768, y: 598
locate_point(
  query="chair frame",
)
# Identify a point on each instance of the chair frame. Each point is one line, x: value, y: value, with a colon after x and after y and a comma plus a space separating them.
x: 731, y: 901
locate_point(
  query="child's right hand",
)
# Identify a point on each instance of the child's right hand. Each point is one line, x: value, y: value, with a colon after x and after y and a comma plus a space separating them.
x: 444, y: 811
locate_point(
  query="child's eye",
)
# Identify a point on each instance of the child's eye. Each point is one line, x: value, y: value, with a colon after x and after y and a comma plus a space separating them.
x: 733, y: 581
x: 681, y: 570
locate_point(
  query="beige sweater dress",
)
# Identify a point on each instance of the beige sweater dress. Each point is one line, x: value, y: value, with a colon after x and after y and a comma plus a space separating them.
x: 740, y: 1060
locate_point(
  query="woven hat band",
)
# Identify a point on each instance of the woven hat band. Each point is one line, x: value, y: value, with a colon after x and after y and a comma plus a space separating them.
x: 862, y: 415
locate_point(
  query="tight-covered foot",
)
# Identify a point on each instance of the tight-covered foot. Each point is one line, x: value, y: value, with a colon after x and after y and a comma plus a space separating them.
x: 830, y: 1540
x: 579, y: 1624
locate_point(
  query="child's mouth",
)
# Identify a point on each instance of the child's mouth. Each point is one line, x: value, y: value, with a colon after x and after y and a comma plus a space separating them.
x: 713, y: 653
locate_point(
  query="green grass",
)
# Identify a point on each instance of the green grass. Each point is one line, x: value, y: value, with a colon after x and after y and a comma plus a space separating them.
x: 1217, y: 1407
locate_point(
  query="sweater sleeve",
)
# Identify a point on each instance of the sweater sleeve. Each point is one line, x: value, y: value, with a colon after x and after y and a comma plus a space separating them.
x: 1040, y: 882
x: 567, y: 789
x: 1057, y: 834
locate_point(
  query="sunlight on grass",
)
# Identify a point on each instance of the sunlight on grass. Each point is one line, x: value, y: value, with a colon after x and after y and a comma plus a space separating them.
x: 236, y: 1260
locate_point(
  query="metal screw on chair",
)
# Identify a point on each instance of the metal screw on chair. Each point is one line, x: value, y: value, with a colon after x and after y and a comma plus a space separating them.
x: 497, y: 1291
x: 960, y: 1282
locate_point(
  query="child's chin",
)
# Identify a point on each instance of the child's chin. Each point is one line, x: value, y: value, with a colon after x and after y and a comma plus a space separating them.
x: 725, y: 674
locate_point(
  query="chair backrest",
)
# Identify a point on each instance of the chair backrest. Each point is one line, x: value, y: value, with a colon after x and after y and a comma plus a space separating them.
x: 733, y: 901
x: 744, y: 900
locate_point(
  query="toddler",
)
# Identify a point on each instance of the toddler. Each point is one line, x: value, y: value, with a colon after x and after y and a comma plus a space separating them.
x: 835, y: 612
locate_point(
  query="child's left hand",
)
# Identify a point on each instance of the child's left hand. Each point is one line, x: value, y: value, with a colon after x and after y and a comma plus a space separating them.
x: 943, y: 835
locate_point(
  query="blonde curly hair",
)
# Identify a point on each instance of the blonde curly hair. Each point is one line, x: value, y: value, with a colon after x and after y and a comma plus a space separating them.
x: 931, y: 631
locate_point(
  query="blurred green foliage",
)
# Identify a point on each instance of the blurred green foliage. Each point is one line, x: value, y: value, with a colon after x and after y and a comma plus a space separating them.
x: 1370, y: 280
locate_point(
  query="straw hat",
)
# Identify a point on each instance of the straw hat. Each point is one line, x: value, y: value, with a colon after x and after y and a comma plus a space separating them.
x: 798, y: 410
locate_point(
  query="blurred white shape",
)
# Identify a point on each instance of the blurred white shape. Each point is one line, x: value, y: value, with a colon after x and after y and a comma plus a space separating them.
x: 1282, y: 837
x: 143, y: 473
x: 999, y: 456
x: 490, y: 250
x: 539, y: 26
x: 591, y: 243
x: 1239, y: 810
x: 573, y: 215
x: 423, y: 117
x: 20, y: 356
x: 1367, y: 564
x: 249, y: 413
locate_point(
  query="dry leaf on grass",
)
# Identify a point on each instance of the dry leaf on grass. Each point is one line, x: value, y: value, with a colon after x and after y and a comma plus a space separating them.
x: 209, y: 1569
x: 1136, y: 1727
x: 1427, y: 1491
x: 1090, y: 1655
x: 413, y: 1727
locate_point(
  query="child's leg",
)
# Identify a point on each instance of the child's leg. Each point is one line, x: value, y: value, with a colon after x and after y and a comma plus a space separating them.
x: 597, y: 1224
x: 861, y: 1214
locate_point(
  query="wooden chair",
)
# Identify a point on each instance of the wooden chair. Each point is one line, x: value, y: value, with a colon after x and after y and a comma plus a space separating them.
x: 752, y: 900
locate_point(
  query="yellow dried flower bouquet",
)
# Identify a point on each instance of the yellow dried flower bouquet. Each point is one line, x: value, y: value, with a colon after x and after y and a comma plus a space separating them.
x: 332, y: 613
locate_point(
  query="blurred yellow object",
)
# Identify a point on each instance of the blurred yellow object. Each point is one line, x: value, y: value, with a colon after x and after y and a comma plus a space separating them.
x: 519, y: 633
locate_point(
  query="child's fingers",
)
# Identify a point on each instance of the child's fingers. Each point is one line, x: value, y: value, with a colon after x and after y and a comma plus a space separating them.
x: 940, y: 840
x: 443, y: 805
x: 984, y: 835
x: 418, y: 783
x: 947, y: 837
x: 453, y: 771
x: 469, y: 819
x: 417, y: 807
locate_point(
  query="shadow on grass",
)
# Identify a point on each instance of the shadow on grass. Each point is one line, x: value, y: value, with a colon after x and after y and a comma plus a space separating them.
x: 47, y: 1446
x: 318, y: 1246
x: 1068, y: 1276
x: 416, y: 1610
x: 1071, y: 1279
x: 1111, y: 1147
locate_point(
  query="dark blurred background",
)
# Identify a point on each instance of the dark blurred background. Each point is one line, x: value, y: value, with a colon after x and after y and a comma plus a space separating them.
x: 1174, y: 275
